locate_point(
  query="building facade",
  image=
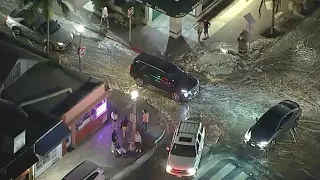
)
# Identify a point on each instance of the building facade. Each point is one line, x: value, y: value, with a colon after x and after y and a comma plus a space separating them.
x: 177, y: 10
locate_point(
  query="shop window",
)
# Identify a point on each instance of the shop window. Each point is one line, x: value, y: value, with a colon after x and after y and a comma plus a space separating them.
x: 100, y: 109
x: 83, y: 121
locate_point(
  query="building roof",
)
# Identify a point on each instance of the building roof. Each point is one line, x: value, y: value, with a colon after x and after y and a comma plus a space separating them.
x: 46, y: 78
x: 36, y: 124
x: 9, y: 115
x: 172, y: 8
x: 11, y: 50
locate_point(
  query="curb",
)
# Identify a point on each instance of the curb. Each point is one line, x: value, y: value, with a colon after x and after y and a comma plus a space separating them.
x: 139, y: 161
x: 135, y: 49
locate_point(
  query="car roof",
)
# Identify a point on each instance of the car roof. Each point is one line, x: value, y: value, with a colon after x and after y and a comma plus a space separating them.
x: 187, y: 132
x: 157, y: 62
x: 276, y: 113
x: 81, y: 171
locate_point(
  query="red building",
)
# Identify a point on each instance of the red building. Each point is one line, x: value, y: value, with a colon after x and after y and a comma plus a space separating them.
x: 79, y: 100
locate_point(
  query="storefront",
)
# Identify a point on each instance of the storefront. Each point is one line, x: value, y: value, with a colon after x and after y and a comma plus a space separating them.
x: 86, y: 117
x: 176, y: 10
x: 48, y: 160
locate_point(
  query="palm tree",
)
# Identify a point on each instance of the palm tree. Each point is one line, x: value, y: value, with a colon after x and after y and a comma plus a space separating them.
x: 46, y: 7
x: 275, y: 7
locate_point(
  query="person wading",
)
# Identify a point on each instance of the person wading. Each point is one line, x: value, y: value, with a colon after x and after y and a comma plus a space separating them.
x: 206, y: 25
x: 199, y: 29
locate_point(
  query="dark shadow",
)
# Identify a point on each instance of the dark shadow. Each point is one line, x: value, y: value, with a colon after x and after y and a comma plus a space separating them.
x: 176, y: 47
x: 218, y: 9
x: 275, y: 34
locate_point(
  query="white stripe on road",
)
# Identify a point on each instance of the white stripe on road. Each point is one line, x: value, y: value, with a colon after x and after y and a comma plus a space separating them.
x: 223, y: 172
x: 241, y: 176
x: 206, y: 167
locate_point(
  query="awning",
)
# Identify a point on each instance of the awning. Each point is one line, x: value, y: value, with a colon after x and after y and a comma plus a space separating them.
x: 21, y: 164
x: 172, y: 8
x: 51, y: 140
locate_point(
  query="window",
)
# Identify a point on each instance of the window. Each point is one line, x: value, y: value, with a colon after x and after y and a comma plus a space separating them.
x: 183, y: 150
x: 93, y: 176
x: 199, y: 137
x: 83, y: 121
x: 197, y: 146
x: 286, y: 119
x: 15, y: 72
x: 185, y: 139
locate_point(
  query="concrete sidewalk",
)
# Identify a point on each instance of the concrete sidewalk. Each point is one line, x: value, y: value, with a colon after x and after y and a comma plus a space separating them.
x: 225, y: 27
x: 97, y: 148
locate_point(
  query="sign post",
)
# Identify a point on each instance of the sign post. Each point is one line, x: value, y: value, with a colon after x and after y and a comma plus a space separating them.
x: 130, y: 13
x: 250, y: 20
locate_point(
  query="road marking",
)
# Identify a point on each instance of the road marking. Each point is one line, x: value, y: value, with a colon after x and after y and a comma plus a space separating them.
x: 206, y: 167
x: 223, y: 172
x: 241, y: 176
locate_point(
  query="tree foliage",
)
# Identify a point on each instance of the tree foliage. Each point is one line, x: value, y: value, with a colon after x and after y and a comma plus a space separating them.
x: 46, y: 9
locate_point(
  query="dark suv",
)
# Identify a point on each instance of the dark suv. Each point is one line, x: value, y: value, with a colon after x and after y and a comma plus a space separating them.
x: 165, y: 76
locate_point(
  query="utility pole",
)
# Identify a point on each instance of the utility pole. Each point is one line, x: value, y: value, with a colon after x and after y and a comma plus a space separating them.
x: 130, y: 13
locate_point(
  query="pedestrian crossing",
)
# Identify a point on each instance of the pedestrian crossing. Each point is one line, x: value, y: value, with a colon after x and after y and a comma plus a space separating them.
x: 218, y: 168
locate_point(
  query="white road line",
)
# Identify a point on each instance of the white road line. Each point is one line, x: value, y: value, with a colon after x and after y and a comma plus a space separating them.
x: 223, y: 172
x: 206, y: 167
x: 241, y: 176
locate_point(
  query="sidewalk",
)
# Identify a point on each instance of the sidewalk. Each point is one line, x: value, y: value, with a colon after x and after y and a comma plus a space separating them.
x: 97, y: 148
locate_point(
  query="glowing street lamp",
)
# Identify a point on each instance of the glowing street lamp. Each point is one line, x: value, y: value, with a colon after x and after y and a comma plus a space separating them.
x: 134, y: 97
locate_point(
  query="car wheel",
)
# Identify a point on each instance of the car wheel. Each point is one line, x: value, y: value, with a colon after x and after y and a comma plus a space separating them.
x: 176, y: 97
x: 139, y: 82
x: 16, y: 30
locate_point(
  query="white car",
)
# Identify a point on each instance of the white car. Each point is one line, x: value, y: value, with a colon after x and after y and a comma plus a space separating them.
x: 186, y: 148
x: 34, y: 26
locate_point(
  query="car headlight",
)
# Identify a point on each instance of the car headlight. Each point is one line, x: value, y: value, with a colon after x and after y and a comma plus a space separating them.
x: 191, y: 171
x: 262, y: 144
x: 247, y: 136
x: 184, y: 91
x: 60, y: 44
x: 168, y: 168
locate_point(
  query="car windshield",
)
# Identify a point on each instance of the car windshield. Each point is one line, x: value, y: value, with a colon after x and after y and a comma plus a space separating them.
x: 53, y: 27
x: 175, y: 73
x: 183, y: 150
x: 270, y: 120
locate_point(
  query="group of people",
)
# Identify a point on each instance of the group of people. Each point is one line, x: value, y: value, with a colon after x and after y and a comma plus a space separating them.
x: 203, y: 26
x: 136, y: 136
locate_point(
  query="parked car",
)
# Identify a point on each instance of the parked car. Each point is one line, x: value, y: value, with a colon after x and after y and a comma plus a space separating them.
x: 186, y: 148
x: 165, y: 76
x: 86, y: 170
x: 34, y: 26
x: 273, y: 125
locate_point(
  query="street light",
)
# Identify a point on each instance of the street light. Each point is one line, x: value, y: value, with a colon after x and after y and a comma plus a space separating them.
x: 134, y: 97
x: 80, y: 28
